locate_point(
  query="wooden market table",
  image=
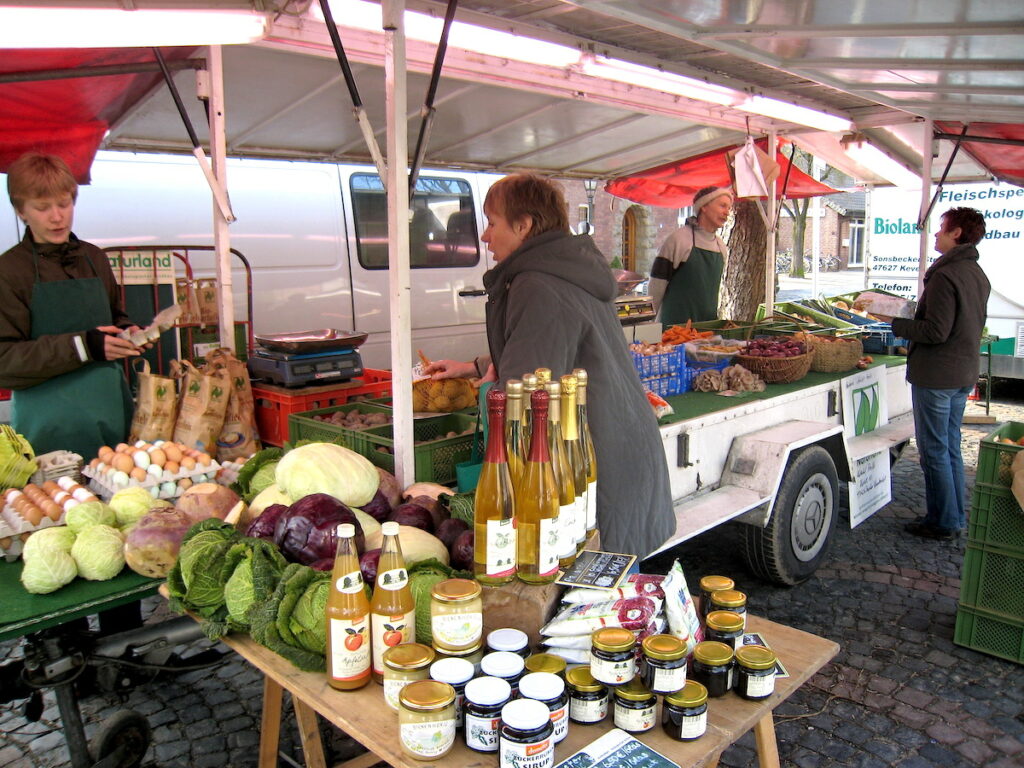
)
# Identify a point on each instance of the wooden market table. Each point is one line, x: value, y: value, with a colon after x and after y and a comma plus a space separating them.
x: 365, y: 716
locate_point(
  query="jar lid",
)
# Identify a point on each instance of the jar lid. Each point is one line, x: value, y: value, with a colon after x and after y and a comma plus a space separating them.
x: 452, y: 671
x: 732, y: 598
x: 545, y: 662
x: 634, y: 690
x: 693, y: 694
x: 456, y: 590
x: 542, y: 686
x: 613, y: 639
x: 502, y: 664
x: 525, y: 714
x: 755, y: 657
x: 409, y: 656
x: 507, y: 639
x: 426, y: 695
x: 714, y: 583
x: 664, y: 647
x: 458, y: 654
x: 581, y: 679
x: 713, y: 653
x: 725, y: 621
x: 488, y: 691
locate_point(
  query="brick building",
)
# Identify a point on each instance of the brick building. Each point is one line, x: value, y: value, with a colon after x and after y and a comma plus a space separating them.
x: 842, y: 232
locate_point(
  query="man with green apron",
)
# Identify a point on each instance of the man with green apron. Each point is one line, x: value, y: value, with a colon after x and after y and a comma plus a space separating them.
x: 60, y: 311
x: 687, y: 274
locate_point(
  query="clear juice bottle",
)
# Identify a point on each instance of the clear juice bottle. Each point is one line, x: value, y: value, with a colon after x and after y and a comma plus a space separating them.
x: 348, y: 618
x: 588, y: 444
x: 494, y: 541
x: 576, y: 452
x: 392, y: 609
x: 562, y: 471
x: 515, y: 449
x: 537, y: 504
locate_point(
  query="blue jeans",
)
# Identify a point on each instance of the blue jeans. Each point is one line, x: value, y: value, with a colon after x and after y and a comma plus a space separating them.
x: 937, y: 417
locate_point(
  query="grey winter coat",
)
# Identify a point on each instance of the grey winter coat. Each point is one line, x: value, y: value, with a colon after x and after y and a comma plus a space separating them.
x: 550, y: 305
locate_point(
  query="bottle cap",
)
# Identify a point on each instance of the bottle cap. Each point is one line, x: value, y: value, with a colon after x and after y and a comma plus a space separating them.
x: 731, y: 598
x: 545, y: 662
x: 456, y: 590
x: 502, y: 664
x: 541, y: 686
x: 346, y: 530
x: 613, y: 639
x: 710, y: 584
x: 525, y: 714
x: 389, y: 528
x: 488, y: 691
x: 452, y: 671
x: 507, y: 639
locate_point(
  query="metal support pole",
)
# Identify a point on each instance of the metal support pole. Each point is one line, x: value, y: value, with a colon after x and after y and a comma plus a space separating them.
x: 926, y: 193
x: 769, y: 256
x: 71, y: 723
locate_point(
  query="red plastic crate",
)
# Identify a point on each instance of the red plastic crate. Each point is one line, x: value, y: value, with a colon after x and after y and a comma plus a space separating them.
x: 274, y: 403
x: 5, y: 394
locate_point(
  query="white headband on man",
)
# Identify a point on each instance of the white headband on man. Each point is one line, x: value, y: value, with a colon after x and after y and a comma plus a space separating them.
x: 700, y: 202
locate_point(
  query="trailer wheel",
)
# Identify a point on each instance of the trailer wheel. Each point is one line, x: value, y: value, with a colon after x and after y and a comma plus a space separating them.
x: 796, y: 540
x: 122, y: 741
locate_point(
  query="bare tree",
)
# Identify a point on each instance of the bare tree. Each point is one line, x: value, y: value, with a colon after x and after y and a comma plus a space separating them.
x: 743, y: 279
x: 797, y: 210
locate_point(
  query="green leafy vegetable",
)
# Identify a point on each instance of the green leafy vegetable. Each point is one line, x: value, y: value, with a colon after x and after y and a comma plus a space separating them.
x: 252, y: 581
x: 98, y: 552
x: 130, y: 504
x: 273, y: 625
x: 90, y: 513
x: 244, y: 486
x: 460, y: 505
x: 59, y: 538
x: 205, y: 562
x: 48, y: 571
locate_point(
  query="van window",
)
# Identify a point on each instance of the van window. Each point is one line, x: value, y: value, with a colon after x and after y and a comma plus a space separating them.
x: 442, y: 223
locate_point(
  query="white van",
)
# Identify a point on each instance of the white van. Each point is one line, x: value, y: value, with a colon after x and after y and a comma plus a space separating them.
x: 315, y: 235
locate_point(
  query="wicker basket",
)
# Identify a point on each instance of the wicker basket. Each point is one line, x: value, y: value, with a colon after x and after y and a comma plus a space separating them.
x: 777, y: 370
x: 834, y: 355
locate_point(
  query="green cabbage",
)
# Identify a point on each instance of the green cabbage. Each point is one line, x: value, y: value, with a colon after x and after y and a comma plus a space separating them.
x: 246, y: 485
x: 253, y: 580
x: 98, y: 552
x: 130, y: 504
x: 328, y: 468
x: 269, y: 495
x: 48, y: 571
x: 292, y: 623
x: 90, y: 513
x: 308, y: 622
x: 59, y: 538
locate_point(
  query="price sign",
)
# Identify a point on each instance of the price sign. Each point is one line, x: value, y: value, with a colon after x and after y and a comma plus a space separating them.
x: 617, y: 749
x: 603, y: 570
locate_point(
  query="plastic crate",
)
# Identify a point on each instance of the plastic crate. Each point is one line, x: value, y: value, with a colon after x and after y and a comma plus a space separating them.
x: 992, y: 579
x: 995, y: 458
x: 735, y: 330
x: 273, y: 406
x: 666, y: 386
x: 5, y: 394
x: 435, y: 458
x: 303, y: 426
x: 695, y: 368
x: 996, y: 519
x: 990, y: 633
x: 663, y: 364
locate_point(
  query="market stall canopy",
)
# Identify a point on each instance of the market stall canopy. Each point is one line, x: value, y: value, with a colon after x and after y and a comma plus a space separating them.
x: 673, y: 185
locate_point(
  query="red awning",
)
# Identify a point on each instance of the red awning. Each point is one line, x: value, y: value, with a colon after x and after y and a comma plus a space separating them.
x: 68, y: 117
x: 1004, y: 161
x: 673, y: 185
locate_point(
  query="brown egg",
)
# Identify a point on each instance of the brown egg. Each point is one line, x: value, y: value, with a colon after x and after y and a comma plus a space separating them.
x: 32, y: 514
x: 137, y: 473
x: 53, y: 510
x: 94, y: 463
x: 50, y: 487
x: 188, y: 463
x: 203, y: 460
x: 104, y: 450
x: 122, y: 447
x: 123, y: 463
x: 184, y: 484
x: 172, y: 467
x: 73, y: 487
x: 157, y: 456
x: 172, y: 451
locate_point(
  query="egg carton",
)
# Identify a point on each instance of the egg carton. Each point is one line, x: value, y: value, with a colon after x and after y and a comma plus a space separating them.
x: 14, y: 529
x: 158, y: 487
x: 57, y: 464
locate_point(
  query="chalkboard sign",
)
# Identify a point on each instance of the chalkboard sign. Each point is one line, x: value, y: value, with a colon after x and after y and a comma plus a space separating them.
x: 617, y: 749
x: 603, y: 570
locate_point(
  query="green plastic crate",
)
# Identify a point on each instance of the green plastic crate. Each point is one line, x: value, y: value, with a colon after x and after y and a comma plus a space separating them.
x: 741, y: 331
x: 989, y: 633
x: 435, y: 455
x: 995, y: 458
x: 302, y: 426
x: 996, y: 519
x: 992, y: 580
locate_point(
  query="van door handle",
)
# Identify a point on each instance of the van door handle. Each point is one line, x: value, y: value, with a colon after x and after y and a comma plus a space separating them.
x: 473, y: 292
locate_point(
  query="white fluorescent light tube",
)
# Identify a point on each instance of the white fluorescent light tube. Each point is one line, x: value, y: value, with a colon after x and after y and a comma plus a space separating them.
x: 793, y: 113
x: 876, y: 161
x: 113, y: 28
x: 667, y: 82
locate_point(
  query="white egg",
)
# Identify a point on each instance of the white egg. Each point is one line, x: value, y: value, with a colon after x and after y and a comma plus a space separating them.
x: 155, y: 470
x: 119, y: 478
x: 155, y: 491
x: 140, y: 443
x: 201, y: 478
x: 13, y: 496
x: 66, y: 482
x: 142, y: 459
x: 83, y: 495
x: 157, y: 444
x: 167, y: 490
x: 101, y: 467
x: 69, y: 503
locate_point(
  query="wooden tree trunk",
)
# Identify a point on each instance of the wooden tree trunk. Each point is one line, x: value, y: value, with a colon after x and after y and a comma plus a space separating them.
x: 743, y: 280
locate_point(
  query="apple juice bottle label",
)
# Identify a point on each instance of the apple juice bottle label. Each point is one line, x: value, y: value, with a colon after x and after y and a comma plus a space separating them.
x: 547, y: 546
x: 501, y: 547
x: 389, y: 631
x: 350, y: 648
x: 350, y: 583
x: 393, y: 579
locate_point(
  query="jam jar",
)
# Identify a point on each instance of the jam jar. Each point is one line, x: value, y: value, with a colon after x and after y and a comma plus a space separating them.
x: 549, y: 689
x: 709, y: 584
x: 663, y: 664
x: 455, y: 672
x: 473, y: 655
x: 635, y: 707
x: 613, y: 655
x: 725, y: 627
x: 485, y: 696
x: 755, y: 672
x: 730, y: 600
x: 588, y: 699
x: 404, y: 664
x: 426, y: 719
x: 508, y: 639
x: 506, y: 665
x: 712, y: 667
x: 546, y: 662
x: 526, y: 735
x: 456, y: 615
x: 684, y: 714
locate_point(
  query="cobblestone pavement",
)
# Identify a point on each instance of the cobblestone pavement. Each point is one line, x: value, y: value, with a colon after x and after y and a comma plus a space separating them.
x: 899, y: 693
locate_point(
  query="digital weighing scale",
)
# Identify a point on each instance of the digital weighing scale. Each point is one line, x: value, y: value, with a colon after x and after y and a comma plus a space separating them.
x: 307, y: 357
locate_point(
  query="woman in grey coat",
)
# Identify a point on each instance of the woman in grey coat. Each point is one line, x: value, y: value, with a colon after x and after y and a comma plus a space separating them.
x: 550, y: 305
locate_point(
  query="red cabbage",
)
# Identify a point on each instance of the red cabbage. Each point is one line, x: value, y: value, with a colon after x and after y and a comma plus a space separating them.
x: 262, y: 527
x: 307, y: 532
x: 413, y: 515
x: 449, y: 531
x: 368, y: 565
x: 379, y: 508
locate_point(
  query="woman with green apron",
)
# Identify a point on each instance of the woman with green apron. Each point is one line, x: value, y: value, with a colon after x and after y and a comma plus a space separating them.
x: 687, y: 274
x: 60, y: 311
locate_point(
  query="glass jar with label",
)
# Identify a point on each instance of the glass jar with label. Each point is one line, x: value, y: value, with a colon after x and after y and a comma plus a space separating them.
x: 725, y: 627
x: 635, y: 706
x: 712, y: 667
x: 526, y: 735
x: 663, y: 664
x: 472, y: 655
x: 404, y: 664
x: 709, y: 584
x: 426, y: 719
x: 588, y: 699
x: 730, y: 600
x: 455, y: 672
x: 613, y: 655
x: 456, y: 614
x: 549, y: 689
x: 546, y: 662
x: 509, y: 639
x: 485, y: 696
x: 506, y: 665
x: 684, y: 714
x: 755, y: 672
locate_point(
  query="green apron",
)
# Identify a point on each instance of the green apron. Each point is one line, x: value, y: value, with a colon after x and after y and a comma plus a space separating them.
x: 692, y: 292
x: 83, y: 409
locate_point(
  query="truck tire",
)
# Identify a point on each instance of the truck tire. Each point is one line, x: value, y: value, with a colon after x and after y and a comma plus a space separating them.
x: 122, y: 740
x: 790, y: 548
